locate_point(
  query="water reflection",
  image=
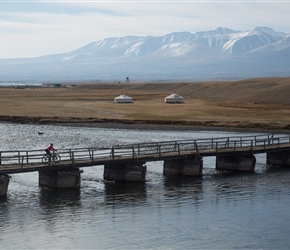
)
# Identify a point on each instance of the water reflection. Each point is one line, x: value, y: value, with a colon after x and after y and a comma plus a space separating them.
x: 177, y: 186
x: 272, y: 168
x: 129, y: 193
x: 4, y: 212
x: 181, y: 190
x: 3, y: 200
x: 50, y: 197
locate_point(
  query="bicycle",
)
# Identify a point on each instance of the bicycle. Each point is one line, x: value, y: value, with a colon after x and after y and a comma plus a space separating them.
x: 52, y: 157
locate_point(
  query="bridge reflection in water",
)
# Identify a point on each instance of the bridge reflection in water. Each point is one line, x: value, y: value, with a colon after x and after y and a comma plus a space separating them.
x: 127, y: 162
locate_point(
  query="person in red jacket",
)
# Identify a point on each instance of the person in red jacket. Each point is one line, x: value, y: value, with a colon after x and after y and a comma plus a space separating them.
x: 50, y: 148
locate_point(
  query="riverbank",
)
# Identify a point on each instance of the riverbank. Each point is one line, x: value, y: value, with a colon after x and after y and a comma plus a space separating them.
x: 136, y: 125
x: 248, y: 105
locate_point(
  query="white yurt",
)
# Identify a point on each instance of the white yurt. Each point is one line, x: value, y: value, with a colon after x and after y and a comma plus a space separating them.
x: 123, y: 99
x: 174, y: 98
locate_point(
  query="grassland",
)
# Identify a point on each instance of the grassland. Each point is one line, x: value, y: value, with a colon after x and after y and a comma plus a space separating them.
x: 253, y: 104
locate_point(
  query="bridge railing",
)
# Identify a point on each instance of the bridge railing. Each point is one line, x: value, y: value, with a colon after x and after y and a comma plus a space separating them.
x: 20, y: 157
x: 152, y: 148
x: 217, y: 144
x: 250, y: 142
x: 137, y: 150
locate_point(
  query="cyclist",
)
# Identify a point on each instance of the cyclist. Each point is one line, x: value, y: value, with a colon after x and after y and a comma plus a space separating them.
x: 49, y: 149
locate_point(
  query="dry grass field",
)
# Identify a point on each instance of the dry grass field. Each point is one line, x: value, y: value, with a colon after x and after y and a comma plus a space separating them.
x: 253, y: 103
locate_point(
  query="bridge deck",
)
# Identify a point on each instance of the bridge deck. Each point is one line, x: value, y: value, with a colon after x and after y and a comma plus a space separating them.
x: 31, y: 160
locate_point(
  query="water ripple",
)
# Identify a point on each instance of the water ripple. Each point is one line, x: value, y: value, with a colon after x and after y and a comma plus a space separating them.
x: 216, y: 211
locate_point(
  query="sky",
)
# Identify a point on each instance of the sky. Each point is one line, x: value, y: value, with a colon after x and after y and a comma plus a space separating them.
x: 37, y: 28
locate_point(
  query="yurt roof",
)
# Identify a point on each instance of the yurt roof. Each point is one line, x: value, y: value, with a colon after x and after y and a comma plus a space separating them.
x: 123, y: 99
x: 175, y: 96
x: 123, y: 96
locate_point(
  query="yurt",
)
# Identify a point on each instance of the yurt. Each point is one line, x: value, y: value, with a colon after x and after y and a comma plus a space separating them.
x: 174, y: 98
x: 123, y: 99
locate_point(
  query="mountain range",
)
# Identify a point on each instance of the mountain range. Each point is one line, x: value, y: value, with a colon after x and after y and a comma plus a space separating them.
x: 215, y: 54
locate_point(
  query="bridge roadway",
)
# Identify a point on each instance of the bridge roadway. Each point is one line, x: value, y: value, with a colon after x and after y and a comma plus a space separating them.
x: 31, y: 160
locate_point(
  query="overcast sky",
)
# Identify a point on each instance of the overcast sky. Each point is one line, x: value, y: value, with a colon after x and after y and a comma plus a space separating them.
x: 36, y: 28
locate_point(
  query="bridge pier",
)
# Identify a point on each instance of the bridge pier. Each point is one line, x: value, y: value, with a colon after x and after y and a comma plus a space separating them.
x: 125, y: 172
x: 236, y: 162
x: 4, y: 182
x: 186, y: 167
x: 60, y: 179
x: 281, y: 158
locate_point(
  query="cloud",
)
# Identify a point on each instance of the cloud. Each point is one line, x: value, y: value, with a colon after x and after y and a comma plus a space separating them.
x: 32, y: 28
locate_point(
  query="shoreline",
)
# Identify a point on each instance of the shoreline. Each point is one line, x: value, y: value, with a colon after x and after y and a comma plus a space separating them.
x: 140, y: 125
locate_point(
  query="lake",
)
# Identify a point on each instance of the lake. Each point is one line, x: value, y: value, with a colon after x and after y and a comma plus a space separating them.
x: 215, y: 211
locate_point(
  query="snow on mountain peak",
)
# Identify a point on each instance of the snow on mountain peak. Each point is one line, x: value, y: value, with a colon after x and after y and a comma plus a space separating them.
x: 223, y: 30
x: 271, y: 32
x: 219, y: 41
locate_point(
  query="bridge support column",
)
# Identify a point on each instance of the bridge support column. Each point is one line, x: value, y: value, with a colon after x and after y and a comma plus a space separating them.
x: 4, y: 182
x: 186, y: 167
x: 236, y: 162
x: 281, y: 158
x: 125, y: 172
x: 60, y: 179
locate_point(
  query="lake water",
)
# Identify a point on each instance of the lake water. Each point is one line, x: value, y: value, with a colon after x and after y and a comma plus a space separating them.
x: 216, y: 211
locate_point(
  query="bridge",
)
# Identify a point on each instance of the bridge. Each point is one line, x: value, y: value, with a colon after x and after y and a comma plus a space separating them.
x: 127, y: 162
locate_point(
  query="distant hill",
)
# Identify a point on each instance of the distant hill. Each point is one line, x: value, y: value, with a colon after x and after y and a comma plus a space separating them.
x: 215, y: 54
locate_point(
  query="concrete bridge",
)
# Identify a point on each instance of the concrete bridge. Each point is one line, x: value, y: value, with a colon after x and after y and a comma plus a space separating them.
x: 127, y: 162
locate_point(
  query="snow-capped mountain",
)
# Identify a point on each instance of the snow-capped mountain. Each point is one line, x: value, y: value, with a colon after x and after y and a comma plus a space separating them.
x: 180, y: 55
x: 218, y: 41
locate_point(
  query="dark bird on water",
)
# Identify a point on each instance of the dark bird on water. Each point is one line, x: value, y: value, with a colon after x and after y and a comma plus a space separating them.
x: 40, y: 133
